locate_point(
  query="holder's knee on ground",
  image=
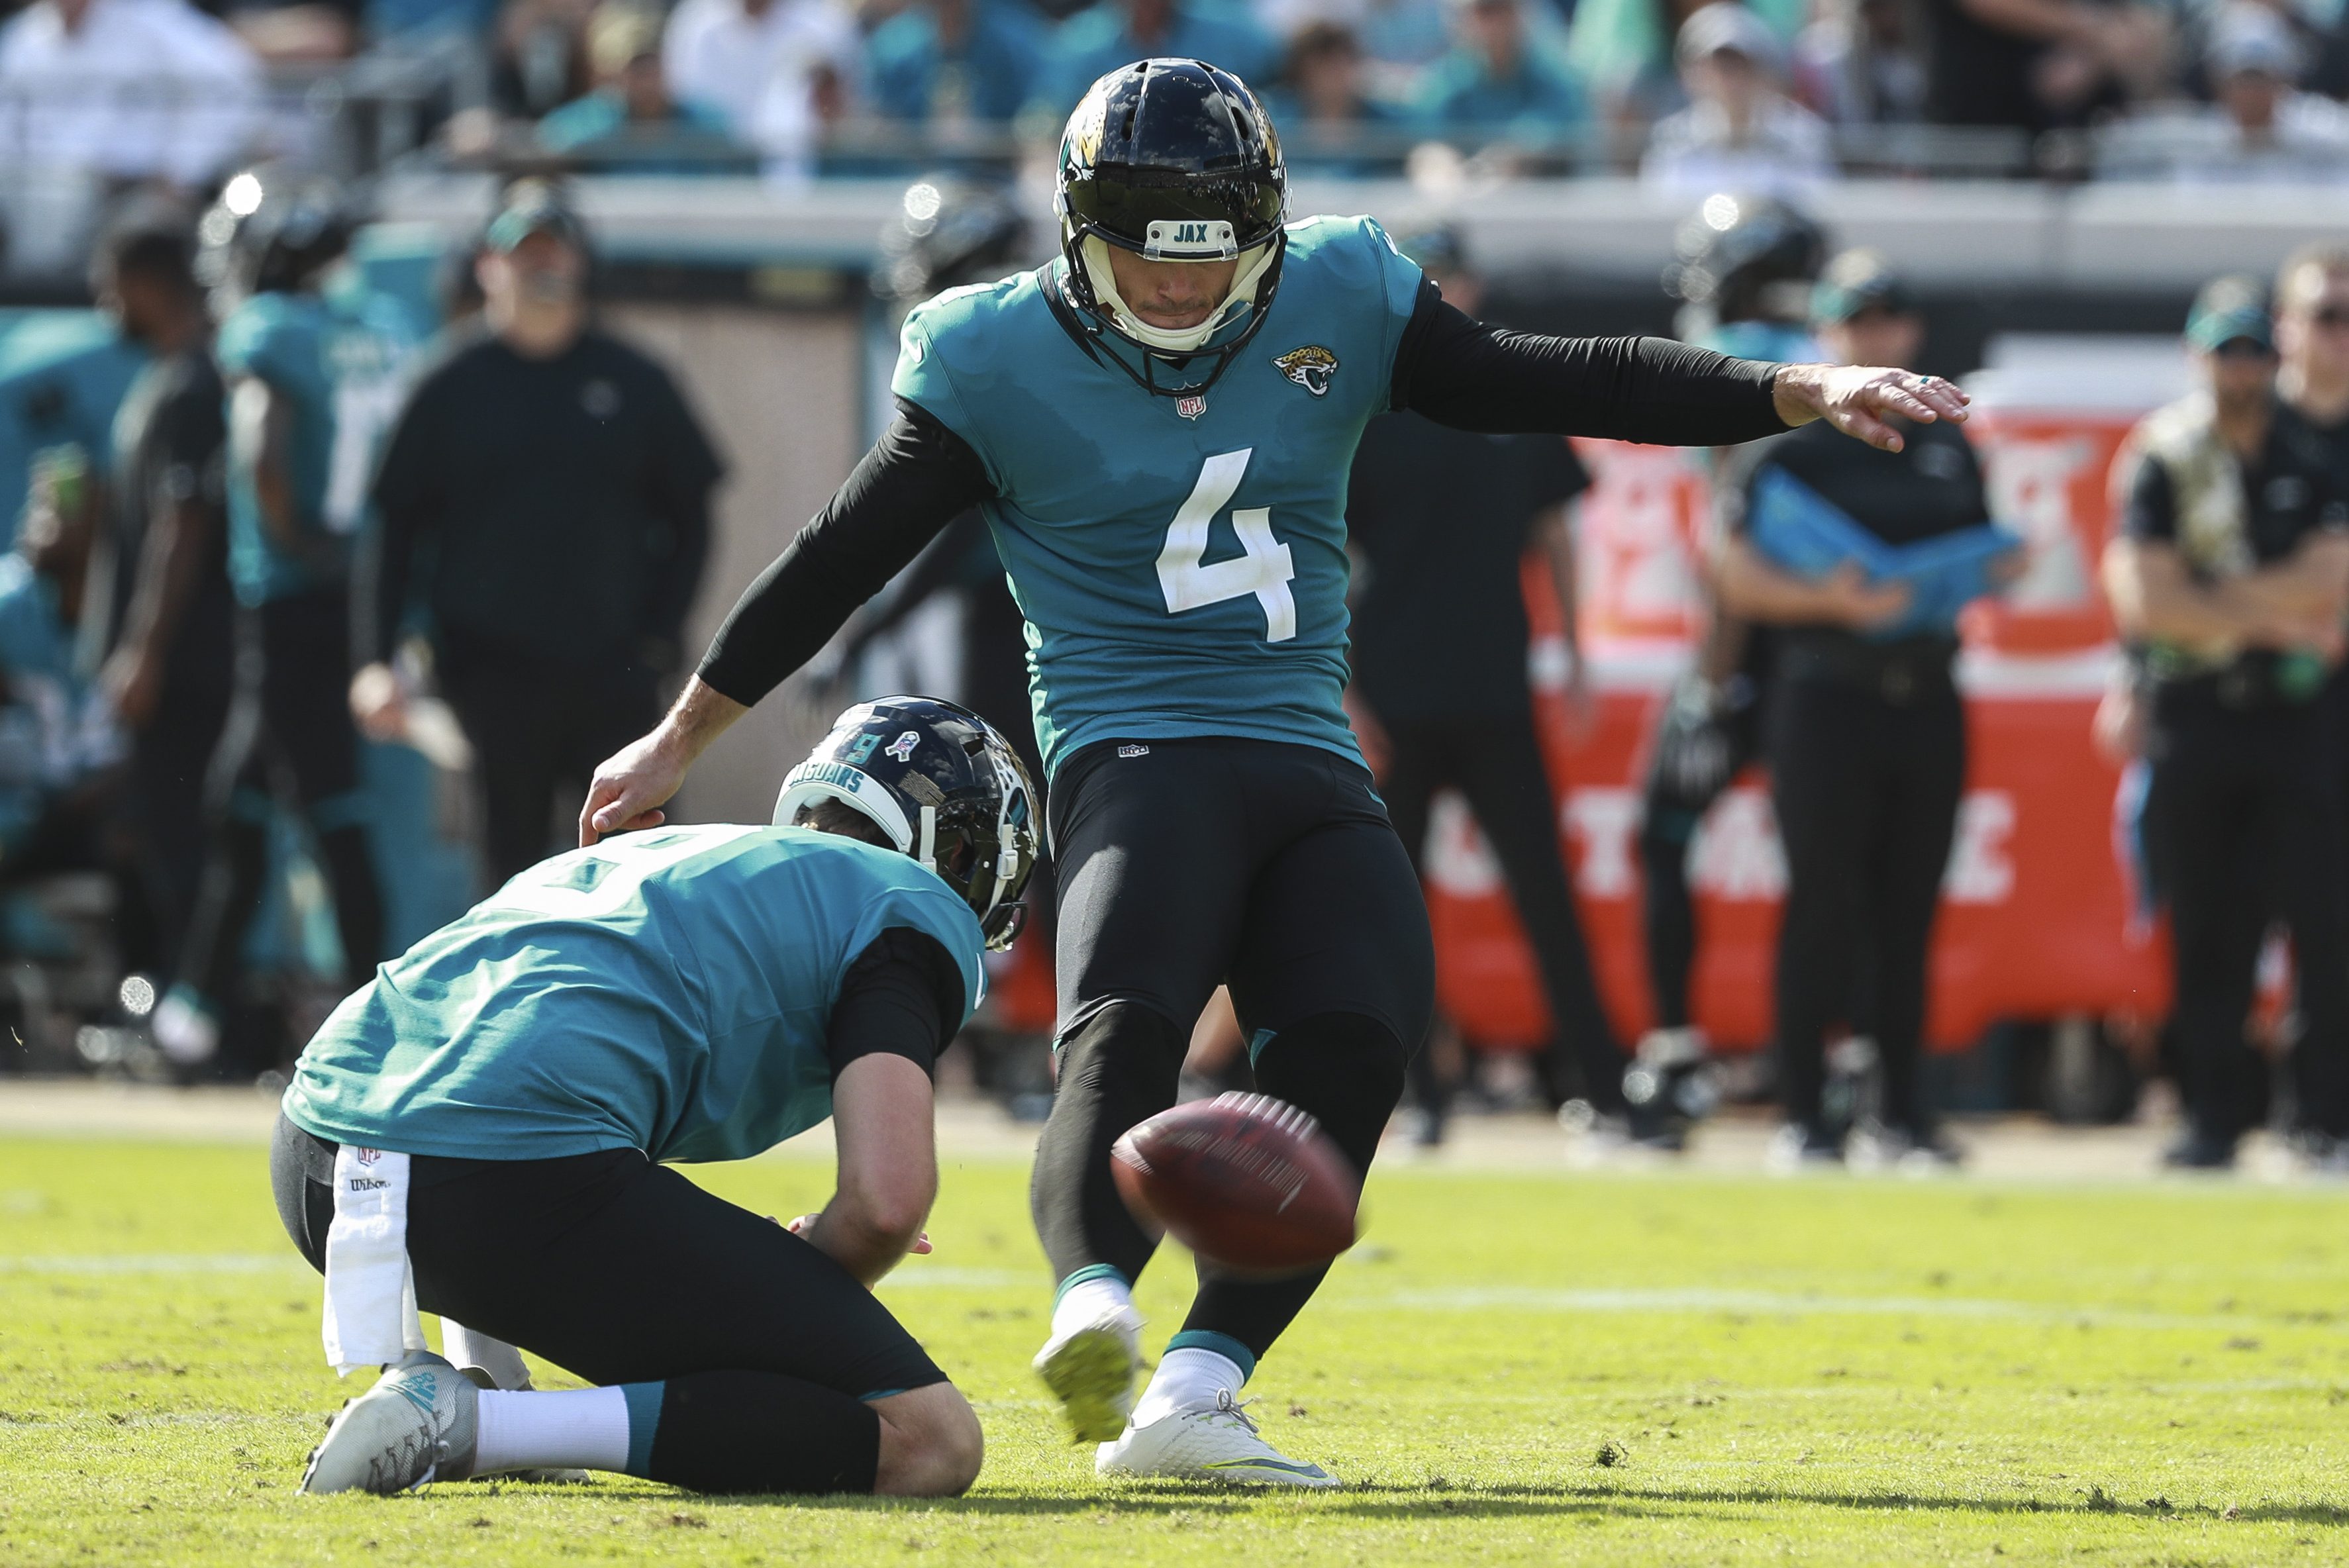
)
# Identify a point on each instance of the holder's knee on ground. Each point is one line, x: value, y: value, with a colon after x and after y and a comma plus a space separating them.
x: 931, y: 1445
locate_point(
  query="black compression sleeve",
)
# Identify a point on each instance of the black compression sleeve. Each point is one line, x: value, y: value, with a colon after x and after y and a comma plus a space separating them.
x: 919, y: 477
x: 1475, y: 376
x: 901, y: 995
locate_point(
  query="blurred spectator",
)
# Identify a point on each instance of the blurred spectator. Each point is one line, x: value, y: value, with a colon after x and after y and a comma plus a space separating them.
x: 2231, y: 570
x: 2262, y: 128
x: 2312, y: 324
x: 407, y: 25
x: 164, y: 616
x: 1740, y: 132
x: 124, y: 90
x: 539, y: 61
x: 1500, y: 77
x: 546, y: 494
x: 1115, y: 33
x: 1860, y: 63
x: 777, y: 70
x: 1397, y: 36
x: 1321, y: 107
x: 630, y: 124
x: 951, y: 62
x: 297, y: 34
x: 1622, y: 51
x: 2038, y: 63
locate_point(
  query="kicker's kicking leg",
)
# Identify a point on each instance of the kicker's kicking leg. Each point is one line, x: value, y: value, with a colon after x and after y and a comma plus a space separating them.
x: 1118, y: 1068
x: 1348, y: 1072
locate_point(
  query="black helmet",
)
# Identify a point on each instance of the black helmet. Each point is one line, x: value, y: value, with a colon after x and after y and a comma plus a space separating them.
x: 269, y: 232
x: 943, y: 786
x: 948, y: 232
x: 1175, y: 160
x: 1747, y: 258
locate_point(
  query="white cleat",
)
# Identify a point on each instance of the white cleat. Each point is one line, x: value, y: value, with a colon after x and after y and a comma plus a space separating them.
x: 416, y: 1425
x: 1091, y: 1370
x: 1215, y: 1442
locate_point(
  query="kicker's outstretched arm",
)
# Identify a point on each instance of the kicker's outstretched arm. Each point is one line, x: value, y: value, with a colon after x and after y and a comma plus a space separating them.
x: 1473, y: 376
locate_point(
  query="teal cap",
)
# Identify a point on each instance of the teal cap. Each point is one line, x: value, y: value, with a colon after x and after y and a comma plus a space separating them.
x: 2228, y: 310
x: 1857, y: 281
x: 533, y: 208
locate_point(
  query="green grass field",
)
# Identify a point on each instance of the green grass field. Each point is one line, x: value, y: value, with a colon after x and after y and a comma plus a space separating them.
x: 1514, y: 1368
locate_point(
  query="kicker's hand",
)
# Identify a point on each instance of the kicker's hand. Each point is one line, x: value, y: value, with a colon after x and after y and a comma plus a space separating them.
x: 1861, y: 399
x: 631, y: 786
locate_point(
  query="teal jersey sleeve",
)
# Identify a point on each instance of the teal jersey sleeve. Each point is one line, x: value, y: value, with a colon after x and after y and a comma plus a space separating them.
x: 1181, y: 560
x: 668, y: 991
x: 274, y: 337
x: 337, y: 363
x: 1398, y: 283
x: 959, y: 325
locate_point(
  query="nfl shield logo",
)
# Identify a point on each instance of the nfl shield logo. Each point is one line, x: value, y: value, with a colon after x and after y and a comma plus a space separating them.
x: 1190, y: 408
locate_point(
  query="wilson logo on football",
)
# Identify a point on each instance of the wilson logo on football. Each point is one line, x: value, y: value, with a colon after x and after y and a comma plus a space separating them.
x: 1310, y: 367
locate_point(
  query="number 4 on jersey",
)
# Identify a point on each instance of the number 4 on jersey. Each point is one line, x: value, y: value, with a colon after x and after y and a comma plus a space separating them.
x: 1190, y: 583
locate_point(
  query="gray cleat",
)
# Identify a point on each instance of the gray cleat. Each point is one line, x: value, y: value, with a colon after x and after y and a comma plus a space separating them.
x: 416, y: 1425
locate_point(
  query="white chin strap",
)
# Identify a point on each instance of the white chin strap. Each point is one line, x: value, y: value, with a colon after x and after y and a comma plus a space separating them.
x: 1094, y: 250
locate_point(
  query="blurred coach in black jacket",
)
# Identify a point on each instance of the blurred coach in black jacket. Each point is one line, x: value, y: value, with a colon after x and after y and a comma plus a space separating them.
x: 545, y: 494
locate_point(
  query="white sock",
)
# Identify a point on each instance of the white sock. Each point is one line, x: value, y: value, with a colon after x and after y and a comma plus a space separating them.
x: 1187, y: 1379
x: 1089, y: 1301
x: 573, y: 1428
x: 471, y: 1347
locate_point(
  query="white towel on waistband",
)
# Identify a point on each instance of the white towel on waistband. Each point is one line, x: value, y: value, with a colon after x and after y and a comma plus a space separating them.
x: 370, y: 1318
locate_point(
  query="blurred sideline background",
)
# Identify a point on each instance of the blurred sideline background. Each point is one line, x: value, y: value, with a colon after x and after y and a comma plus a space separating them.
x: 2053, y: 179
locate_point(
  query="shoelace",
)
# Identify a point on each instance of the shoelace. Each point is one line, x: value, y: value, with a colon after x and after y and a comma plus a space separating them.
x: 1236, y: 1409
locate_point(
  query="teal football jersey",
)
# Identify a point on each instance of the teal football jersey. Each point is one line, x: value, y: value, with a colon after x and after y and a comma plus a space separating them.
x: 667, y: 990
x: 337, y: 361
x: 1181, y: 561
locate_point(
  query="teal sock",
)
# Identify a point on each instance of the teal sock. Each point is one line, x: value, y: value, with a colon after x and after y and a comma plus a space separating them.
x: 644, y: 1419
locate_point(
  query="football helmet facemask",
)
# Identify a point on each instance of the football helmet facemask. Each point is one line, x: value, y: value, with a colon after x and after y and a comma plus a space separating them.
x: 1172, y: 159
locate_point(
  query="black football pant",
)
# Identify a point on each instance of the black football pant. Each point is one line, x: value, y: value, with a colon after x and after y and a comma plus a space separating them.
x: 1184, y: 864
x: 289, y: 738
x: 622, y: 1271
x: 537, y: 726
x: 1867, y: 791
x: 1669, y: 815
x: 2250, y: 827
x: 1496, y: 763
x: 162, y: 806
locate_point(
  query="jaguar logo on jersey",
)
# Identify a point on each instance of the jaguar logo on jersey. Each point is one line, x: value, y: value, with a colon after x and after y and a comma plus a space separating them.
x: 1310, y: 367
x: 1190, y: 406
x: 902, y: 748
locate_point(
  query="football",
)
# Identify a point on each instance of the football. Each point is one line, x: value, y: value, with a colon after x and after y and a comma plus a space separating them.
x: 1249, y: 1183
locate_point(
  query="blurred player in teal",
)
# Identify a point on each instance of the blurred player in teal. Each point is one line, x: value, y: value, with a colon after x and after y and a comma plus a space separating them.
x: 1158, y: 427
x: 485, y: 1131
x: 312, y: 363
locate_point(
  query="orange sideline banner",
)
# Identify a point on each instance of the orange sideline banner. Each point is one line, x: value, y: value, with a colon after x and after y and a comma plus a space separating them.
x: 2036, y: 915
